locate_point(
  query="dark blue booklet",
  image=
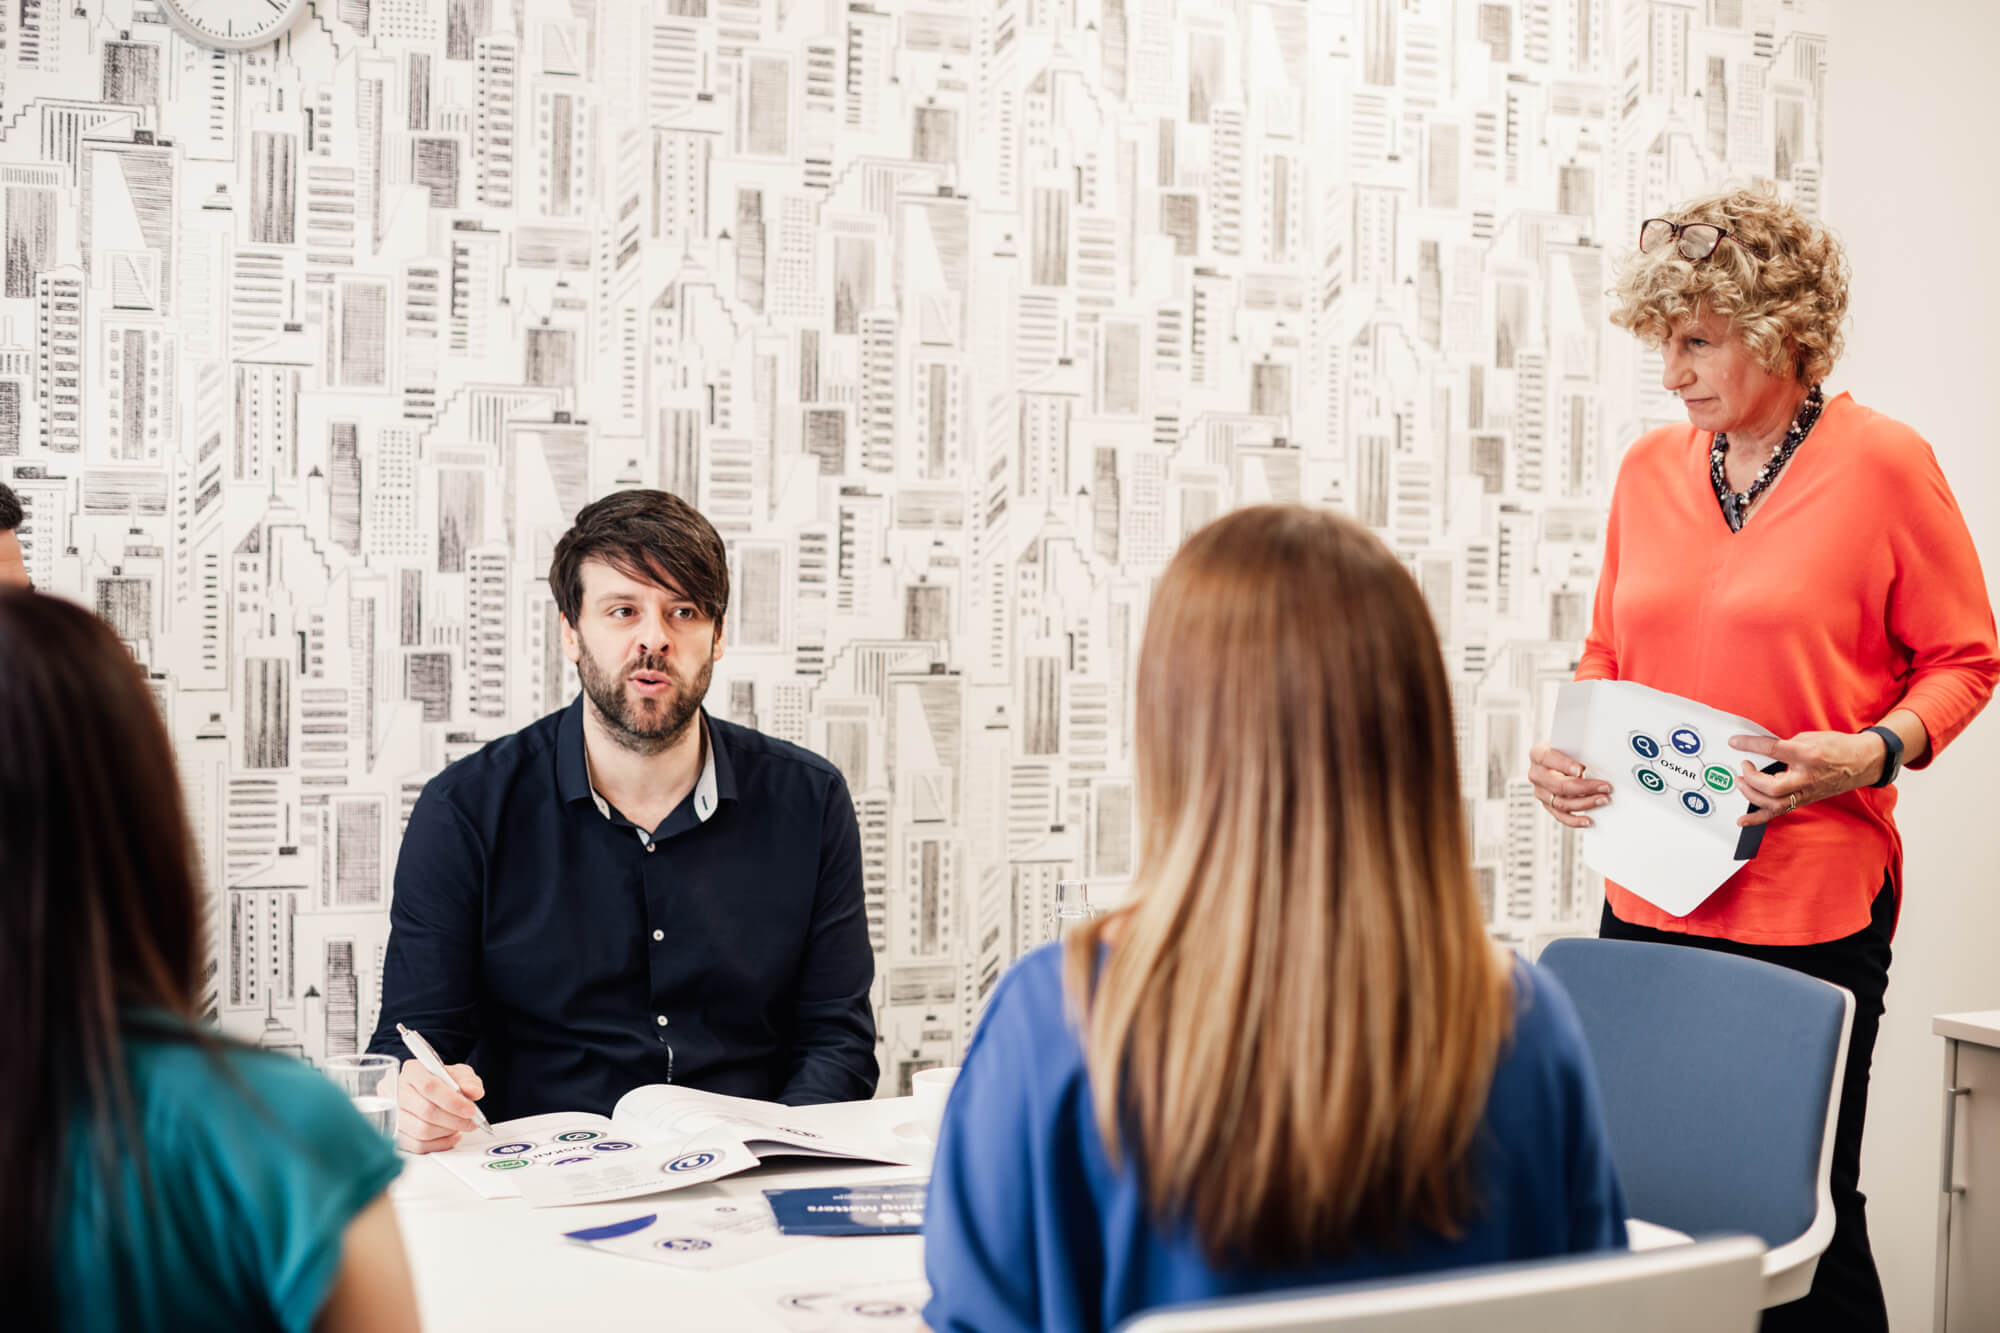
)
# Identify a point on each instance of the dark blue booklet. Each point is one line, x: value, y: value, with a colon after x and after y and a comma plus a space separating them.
x: 850, y: 1210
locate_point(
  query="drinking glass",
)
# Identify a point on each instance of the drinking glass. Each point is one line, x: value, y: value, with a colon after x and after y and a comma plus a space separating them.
x: 370, y: 1083
x: 1072, y: 909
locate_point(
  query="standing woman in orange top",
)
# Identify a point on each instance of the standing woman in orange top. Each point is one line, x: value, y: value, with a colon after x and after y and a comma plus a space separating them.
x: 1798, y: 560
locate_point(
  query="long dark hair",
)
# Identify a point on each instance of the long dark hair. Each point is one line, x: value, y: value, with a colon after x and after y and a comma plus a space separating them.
x: 100, y: 909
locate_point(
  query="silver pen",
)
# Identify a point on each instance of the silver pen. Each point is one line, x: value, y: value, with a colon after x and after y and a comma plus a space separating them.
x: 428, y: 1058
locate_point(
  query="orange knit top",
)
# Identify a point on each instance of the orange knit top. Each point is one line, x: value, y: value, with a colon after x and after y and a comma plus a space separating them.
x: 1852, y: 590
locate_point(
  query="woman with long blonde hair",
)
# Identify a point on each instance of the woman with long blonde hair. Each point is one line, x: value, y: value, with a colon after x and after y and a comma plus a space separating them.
x: 1293, y: 1057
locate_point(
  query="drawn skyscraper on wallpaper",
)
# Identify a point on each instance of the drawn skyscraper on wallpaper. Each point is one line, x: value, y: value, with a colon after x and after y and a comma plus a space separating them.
x: 955, y: 317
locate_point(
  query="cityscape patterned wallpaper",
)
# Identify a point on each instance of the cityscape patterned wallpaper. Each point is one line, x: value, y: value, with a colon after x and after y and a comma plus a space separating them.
x: 954, y: 317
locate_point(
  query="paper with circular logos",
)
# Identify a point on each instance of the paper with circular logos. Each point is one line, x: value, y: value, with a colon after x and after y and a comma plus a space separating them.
x: 495, y: 1161
x: 1669, y: 831
x: 701, y: 1229
x: 636, y: 1170
x: 658, y: 1137
x: 887, y: 1307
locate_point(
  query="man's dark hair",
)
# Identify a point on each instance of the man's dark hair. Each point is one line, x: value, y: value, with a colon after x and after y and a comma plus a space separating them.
x: 10, y: 509
x: 650, y: 535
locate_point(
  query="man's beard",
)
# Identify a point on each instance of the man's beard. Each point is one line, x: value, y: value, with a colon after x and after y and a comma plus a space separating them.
x: 645, y: 726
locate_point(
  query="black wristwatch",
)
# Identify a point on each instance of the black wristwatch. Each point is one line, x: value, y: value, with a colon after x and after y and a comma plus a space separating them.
x: 1893, y: 764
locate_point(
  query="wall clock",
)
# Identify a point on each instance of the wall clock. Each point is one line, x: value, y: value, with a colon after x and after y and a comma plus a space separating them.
x: 232, y: 25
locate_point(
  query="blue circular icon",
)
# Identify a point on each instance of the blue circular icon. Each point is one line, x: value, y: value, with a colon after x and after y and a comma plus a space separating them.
x: 509, y: 1149
x: 1645, y: 746
x: 1697, y: 803
x: 686, y: 1244
x: 610, y: 1145
x: 693, y: 1161
x: 1687, y: 740
x: 568, y: 1161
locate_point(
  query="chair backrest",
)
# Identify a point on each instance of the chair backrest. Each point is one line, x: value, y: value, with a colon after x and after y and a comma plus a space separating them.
x: 1720, y: 1078
x: 1713, y: 1286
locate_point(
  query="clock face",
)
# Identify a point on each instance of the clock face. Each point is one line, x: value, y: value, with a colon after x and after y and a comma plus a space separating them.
x: 232, y: 25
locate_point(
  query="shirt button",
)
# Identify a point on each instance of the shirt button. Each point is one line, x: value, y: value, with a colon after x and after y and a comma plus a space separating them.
x: 659, y: 934
x: 649, y: 846
x: 661, y: 1020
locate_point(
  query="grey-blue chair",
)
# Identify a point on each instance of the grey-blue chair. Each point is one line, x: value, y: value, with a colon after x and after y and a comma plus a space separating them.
x: 1711, y: 1286
x: 1721, y: 1084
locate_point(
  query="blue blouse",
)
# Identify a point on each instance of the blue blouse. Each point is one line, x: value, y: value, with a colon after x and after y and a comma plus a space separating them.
x: 1028, y: 1225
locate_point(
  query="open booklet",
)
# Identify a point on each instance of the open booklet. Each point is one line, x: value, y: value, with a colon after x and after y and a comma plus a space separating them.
x: 656, y: 1138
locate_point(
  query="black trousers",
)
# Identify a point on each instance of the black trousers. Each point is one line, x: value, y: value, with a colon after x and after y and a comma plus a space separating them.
x: 1846, y: 1295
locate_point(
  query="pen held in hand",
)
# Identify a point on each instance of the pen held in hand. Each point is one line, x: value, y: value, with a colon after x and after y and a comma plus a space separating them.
x: 428, y: 1058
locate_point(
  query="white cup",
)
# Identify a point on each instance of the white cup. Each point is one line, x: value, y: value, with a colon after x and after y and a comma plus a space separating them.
x: 932, y: 1088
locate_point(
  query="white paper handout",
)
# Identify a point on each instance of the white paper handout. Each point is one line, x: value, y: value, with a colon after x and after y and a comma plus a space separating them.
x: 1669, y: 832
x: 703, y: 1229
x: 665, y: 1114
x: 657, y: 1138
x: 645, y: 1171
x: 889, y: 1307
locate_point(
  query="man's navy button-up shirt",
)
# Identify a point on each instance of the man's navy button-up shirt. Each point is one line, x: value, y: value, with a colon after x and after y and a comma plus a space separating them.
x: 568, y: 960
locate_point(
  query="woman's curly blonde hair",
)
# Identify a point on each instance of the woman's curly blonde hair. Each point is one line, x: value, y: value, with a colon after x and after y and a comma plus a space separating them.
x: 1789, y: 307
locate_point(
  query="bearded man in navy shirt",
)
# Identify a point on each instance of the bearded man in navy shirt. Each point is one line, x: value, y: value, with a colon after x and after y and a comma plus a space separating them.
x: 630, y: 891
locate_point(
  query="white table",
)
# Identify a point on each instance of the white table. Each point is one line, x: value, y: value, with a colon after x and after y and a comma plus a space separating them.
x: 491, y: 1264
x: 484, y: 1265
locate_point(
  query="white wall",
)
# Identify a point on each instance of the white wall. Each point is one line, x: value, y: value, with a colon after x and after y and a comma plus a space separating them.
x: 1909, y: 158
x: 954, y: 317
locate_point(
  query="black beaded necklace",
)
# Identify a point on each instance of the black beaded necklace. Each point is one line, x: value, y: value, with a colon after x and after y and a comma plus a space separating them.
x: 1736, y: 505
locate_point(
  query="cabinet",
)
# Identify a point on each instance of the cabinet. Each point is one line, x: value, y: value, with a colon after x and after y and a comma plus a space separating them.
x: 1968, y: 1279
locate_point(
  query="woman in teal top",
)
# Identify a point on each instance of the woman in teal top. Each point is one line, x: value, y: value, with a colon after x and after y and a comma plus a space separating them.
x: 158, y: 1176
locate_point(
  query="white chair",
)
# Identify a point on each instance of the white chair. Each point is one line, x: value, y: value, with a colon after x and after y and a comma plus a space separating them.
x: 1711, y: 1286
